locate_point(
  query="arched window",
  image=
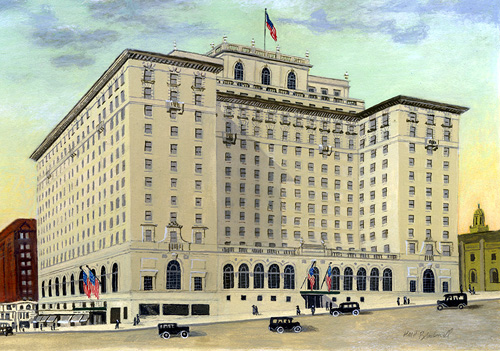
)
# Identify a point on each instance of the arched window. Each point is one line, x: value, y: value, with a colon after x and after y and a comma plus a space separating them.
x: 50, y: 287
x: 472, y: 276
x: 228, y: 276
x: 238, y: 71
x: 43, y: 289
x: 266, y: 76
x: 428, y: 281
x: 374, y: 279
x: 114, y: 278
x: 243, y: 277
x: 387, y: 280
x: 348, y: 278
x: 72, y: 285
x: 316, y: 278
x: 291, y: 81
x: 493, y: 275
x: 335, y: 278
x: 64, y: 286
x: 103, y: 279
x: 173, y: 275
x: 289, y: 276
x: 361, y: 279
x: 273, y: 280
x: 57, y: 287
x: 258, y: 276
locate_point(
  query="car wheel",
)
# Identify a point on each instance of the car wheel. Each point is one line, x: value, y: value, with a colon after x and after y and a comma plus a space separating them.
x: 335, y: 313
x: 280, y: 330
x: 297, y: 329
x: 355, y: 312
x: 440, y: 307
x: 461, y: 306
x: 184, y: 334
x: 165, y: 335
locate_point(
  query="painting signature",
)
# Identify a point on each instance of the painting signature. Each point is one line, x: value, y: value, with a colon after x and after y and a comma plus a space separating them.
x: 423, y: 334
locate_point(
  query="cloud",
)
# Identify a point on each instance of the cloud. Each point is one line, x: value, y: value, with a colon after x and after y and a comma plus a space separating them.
x: 400, y: 33
x: 79, y: 60
x: 9, y: 4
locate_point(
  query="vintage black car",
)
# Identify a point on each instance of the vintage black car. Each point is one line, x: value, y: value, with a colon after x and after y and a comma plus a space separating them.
x: 280, y: 324
x: 165, y: 330
x: 345, y: 307
x: 452, y: 300
x: 6, y: 329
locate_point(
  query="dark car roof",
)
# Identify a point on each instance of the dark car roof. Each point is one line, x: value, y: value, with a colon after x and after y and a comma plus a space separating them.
x: 456, y: 294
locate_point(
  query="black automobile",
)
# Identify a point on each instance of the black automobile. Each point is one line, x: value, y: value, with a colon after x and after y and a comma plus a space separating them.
x: 6, y: 329
x: 280, y: 324
x: 344, y: 308
x: 452, y: 300
x: 165, y: 330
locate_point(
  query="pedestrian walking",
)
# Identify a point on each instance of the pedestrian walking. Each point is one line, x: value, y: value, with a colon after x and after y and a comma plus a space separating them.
x: 135, y: 321
x: 405, y: 301
x: 313, y: 309
x: 138, y: 319
x: 398, y: 301
x: 256, y: 310
x: 473, y: 291
x: 408, y: 301
x: 461, y: 289
x: 298, y: 310
x: 470, y: 289
x: 253, y: 310
x: 117, y: 325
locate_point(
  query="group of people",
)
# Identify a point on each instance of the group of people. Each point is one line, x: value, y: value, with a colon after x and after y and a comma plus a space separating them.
x: 406, y: 300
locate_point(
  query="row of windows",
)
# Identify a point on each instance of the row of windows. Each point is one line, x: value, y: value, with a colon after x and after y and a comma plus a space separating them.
x: 428, y: 177
x: 265, y: 76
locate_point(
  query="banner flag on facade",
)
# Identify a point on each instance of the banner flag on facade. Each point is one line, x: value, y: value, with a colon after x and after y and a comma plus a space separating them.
x: 329, y: 277
x: 310, y: 276
x: 86, y: 283
x: 94, y: 284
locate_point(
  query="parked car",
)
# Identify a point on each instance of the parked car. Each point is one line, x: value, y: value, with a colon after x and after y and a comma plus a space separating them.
x: 165, y: 330
x: 280, y: 324
x: 345, y: 307
x: 452, y: 300
x: 6, y: 329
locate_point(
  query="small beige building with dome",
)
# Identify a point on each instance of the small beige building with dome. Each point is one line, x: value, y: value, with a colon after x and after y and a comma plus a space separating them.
x: 479, y: 251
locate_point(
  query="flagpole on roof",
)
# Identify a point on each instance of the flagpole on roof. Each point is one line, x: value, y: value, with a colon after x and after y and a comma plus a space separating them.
x: 265, y: 22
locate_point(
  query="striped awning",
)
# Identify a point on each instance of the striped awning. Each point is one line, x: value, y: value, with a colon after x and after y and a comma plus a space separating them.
x: 37, y: 319
x: 84, y: 318
x: 65, y: 318
x: 76, y: 318
x: 51, y: 319
x: 43, y: 319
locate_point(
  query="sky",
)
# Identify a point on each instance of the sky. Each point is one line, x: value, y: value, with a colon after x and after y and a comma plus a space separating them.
x: 443, y: 50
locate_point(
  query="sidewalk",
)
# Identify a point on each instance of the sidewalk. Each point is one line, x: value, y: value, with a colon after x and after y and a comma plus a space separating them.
x: 419, y: 300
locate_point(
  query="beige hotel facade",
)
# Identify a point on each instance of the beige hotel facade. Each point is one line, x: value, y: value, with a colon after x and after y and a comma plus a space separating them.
x: 202, y: 184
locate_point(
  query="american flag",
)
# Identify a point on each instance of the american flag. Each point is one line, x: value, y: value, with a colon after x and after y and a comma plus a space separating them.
x: 86, y: 287
x: 270, y: 26
x: 310, y: 276
x: 329, y: 278
x: 94, y: 284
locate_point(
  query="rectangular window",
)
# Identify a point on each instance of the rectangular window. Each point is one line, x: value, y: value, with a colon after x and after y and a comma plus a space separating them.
x: 197, y: 99
x: 148, y: 110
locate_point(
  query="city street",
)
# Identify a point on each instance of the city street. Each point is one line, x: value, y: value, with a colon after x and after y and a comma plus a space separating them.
x: 418, y: 328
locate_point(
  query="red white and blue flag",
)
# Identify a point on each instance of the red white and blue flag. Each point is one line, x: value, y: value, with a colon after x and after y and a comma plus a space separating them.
x: 94, y: 284
x: 329, y: 278
x: 86, y: 287
x: 310, y: 276
x: 271, y: 27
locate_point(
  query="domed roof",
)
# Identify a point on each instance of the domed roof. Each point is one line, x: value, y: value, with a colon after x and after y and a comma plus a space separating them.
x: 479, y: 211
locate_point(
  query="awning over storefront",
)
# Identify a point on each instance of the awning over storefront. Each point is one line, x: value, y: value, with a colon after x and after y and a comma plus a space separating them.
x: 37, y: 319
x: 51, y: 319
x: 84, y: 318
x: 65, y: 318
x: 76, y: 318
x: 43, y: 319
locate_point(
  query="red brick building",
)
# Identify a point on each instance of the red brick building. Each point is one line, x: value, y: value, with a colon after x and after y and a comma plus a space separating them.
x: 18, y: 261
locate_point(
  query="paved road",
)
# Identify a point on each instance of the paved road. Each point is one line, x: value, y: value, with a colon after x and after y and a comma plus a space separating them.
x: 420, y: 328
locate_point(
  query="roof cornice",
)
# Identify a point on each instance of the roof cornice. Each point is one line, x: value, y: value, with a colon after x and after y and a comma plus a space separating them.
x: 286, y: 107
x: 412, y: 101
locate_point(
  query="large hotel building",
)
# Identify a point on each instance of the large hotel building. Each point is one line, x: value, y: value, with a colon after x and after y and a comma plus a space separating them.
x: 203, y: 184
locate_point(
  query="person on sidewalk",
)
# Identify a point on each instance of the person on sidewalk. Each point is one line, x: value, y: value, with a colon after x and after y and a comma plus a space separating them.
x: 408, y: 301
x: 405, y: 300
x: 117, y: 325
x: 256, y: 310
x: 135, y: 321
x: 298, y: 310
x: 138, y: 319
x: 398, y: 301
x: 313, y: 309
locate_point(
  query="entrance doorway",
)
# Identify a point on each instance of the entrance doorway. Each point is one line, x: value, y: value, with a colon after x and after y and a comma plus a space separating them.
x: 115, y: 314
x: 428, y: 281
